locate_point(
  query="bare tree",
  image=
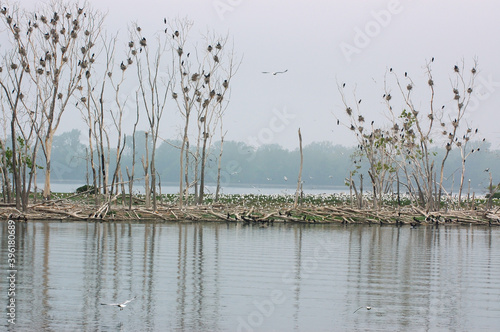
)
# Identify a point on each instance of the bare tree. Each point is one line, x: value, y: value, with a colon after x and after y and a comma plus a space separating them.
x: 117, y: 111
x: 153, y: 86
x: 26, y: 154
x: 299, y: 180
x: 188, y: 82
x: 219, y: 162
x: 89, y: 119
x: 407, y: 145
x: 462, y: 91
x: 6, y: 190
x: 201, y: 84
x: 419, y: 131
x: 374, y: 144
x: 63, y: 38
x: 130, y: 174
x: 221, y: 65
x: 6, y: 153
x: 92, y: 112
x: 145, y: 166
x: 465, y: 152
x: 96, y: 108
x: 15, y: 79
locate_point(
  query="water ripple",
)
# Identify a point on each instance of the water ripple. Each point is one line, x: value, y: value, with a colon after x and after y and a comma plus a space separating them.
x: 227, y: 277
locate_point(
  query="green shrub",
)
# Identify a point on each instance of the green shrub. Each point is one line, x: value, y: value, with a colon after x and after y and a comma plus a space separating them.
x: 85, y: 188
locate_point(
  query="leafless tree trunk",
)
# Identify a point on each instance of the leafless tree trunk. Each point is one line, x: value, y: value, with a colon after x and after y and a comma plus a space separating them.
x: 26, y: 156
x: 92, y: 164
x: 222, y: 66
x: 299, y: 181
x: 492, y: 191
x: 159, y: 187
x: 462, y: 98
x: 130, y: 175
x: 101, y: 136
x: 118, y: 109
x: 6, y: 189
x: 351, y: 185
x: 5, y: 174
x: 462, y: 144
x: 397, y: 186
x: 361, y: 191
x: 95, y: 106
x: 154, y: 88
x: 189, y: 85
x: 145, y: 166
x: 186, y: 172
x: 219, y: 163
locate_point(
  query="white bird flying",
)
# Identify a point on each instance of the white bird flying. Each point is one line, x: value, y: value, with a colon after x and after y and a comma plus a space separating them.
x: 120, y: 305
x: 367, y: 308
x: 274, y: 72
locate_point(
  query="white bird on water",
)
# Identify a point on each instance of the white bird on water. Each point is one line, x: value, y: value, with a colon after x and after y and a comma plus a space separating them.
x: 120, y: 305
x: 274, y: 72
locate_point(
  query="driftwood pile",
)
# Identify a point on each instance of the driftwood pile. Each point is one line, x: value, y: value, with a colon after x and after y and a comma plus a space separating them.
x: 65, y: 210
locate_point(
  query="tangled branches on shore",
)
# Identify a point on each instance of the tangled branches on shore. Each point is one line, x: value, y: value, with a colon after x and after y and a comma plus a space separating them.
x: 263, y: 210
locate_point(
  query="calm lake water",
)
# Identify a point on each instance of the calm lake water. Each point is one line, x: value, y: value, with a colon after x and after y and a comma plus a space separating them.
x: 230, y: 277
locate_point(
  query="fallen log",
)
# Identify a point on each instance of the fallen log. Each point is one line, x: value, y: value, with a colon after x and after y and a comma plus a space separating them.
x: 61, y: 212
x: 152, y: 213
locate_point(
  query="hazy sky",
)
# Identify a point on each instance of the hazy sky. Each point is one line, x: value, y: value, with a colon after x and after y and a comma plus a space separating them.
x: 325, y: 42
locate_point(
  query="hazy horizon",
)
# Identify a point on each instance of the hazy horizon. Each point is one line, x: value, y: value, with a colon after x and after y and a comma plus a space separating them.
x: 323, y: 44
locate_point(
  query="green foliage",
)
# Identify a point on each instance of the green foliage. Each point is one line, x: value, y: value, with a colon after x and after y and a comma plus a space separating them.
x: 24, y: 154
x: 495, y: 190
x: 85, y: 188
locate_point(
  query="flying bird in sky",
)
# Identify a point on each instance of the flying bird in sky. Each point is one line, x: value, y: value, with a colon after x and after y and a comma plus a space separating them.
x: 120, y: 305
x: 274, y: 72
x: 367, y: 308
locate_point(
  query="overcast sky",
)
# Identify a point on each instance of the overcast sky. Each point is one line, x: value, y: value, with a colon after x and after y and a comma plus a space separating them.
x: 325, y: 42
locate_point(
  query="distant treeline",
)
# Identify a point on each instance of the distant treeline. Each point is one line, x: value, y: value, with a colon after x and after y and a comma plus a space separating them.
x: 325, y: 164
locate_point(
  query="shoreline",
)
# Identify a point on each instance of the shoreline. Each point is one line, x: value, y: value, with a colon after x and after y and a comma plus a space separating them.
x: 69, y: 211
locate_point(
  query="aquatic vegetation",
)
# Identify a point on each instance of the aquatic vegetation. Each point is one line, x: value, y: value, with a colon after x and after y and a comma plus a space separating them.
x: 264, y: 210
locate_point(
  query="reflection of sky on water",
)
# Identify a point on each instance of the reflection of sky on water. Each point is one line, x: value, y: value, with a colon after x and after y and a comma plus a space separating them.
x: 225, y: 276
